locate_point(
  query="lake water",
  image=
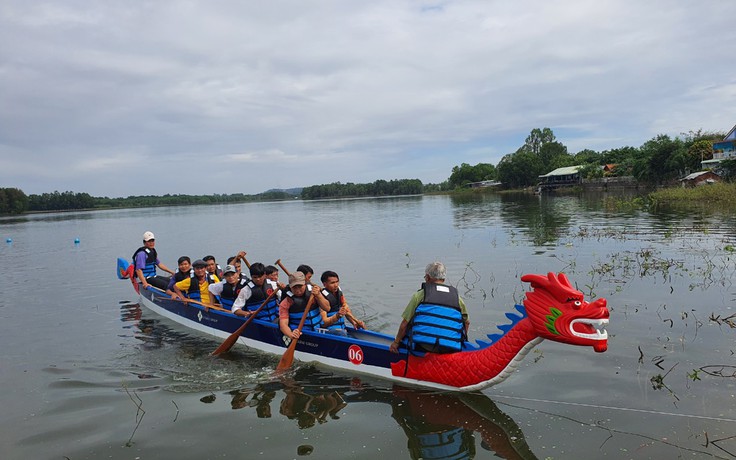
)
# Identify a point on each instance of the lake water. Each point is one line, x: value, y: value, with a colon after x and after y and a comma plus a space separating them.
x: 87, y: 373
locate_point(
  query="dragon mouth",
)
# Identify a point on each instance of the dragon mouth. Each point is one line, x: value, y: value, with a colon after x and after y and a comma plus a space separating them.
x: 592, y: 329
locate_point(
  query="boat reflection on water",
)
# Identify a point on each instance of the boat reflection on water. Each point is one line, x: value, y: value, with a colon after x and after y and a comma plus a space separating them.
x: 437, y: 425
x: 441, y: 425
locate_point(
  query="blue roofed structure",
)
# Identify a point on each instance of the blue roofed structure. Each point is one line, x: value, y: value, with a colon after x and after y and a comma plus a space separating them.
x: 722, y: 150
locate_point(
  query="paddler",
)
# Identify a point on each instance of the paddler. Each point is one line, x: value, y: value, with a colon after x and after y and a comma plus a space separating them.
x: 197, y: 287
x: 291, y: 308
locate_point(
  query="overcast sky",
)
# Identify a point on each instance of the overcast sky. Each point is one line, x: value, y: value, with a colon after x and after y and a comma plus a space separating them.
x: 201, y: 97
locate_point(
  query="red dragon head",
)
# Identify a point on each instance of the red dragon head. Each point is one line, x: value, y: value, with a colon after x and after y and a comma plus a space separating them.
x: 560, y: 313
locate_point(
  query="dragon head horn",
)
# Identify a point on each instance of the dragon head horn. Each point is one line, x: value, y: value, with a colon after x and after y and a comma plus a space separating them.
x: 558, y: 286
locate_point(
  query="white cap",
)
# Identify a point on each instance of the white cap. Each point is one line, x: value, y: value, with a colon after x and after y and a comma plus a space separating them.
x: 148, y: 236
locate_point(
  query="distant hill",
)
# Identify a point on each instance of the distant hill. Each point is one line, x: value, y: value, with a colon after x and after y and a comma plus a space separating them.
x: 296, y: 191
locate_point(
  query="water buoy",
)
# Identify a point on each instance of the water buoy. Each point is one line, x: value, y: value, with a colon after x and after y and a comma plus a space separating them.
x: 76, y: 240
x: 9, y: 240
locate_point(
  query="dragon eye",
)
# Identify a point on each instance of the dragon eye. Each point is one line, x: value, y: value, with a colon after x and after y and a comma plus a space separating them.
x: 578, y: 303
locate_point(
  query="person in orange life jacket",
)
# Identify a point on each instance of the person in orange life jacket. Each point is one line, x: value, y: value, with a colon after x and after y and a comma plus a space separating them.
x: 338, y: 306
x: 184, y: 271
x: 294, y: 303
x: 197, y: 287
x: 212, y: 267
x: 145, y: 260
x: 254, y: 293
x: 434, y: 279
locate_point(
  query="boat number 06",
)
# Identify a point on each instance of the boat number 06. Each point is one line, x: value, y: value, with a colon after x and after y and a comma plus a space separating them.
x: 355, y: 354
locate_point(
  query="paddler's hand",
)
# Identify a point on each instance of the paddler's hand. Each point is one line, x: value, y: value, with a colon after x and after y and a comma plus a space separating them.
x: 295, y: 334
x: 394, y: 347
x: 358, y: 324
x: 243, y: 313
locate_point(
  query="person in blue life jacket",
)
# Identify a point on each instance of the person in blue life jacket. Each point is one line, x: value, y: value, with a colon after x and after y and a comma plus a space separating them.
x: 436, y: 319
x: 254, y: 293
x: 294, y: 303
x: 334, y: 321
x: 197, y: 287
x: 185, y: 270
x: 145, y: 261
x: 228, y: 289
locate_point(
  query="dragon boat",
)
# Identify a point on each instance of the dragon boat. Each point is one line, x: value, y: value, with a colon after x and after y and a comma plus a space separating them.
x: 553, y: 309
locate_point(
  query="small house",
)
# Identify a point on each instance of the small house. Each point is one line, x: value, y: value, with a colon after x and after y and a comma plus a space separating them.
x: 700, y: 178
x: 567, y: 176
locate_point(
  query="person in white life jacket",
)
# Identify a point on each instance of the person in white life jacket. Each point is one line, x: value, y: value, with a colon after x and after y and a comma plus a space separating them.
x: 254, y: 293
x: 436, y: 319
x: 228, y: 289
x: 294, y: 303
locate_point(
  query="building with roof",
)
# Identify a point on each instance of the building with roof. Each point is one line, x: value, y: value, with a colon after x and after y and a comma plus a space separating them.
x: 483, y: 184
x: 722, y: 150
x: 700, y: 178
x: 560, y: 177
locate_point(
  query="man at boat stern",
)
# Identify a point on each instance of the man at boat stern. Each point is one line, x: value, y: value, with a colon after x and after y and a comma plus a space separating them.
x: 145, y: 260
x: 436, y: 319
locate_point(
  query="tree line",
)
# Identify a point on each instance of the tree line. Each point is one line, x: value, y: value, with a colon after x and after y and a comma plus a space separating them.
x: 15, y: 201
x: 658, y: 161
x: 377, y: 188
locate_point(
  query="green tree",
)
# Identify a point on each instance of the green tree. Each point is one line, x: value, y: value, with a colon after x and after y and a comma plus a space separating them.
x: 554, y: 155
x: 591, y: 171
x: 701, y: 150
x: 619, y: 155
x: 465, y: 174
x: 519, y: 169
x: 727, y: 169
x: 536, y: 139
x: 660, y: 160
x: 13, y: 201
x: 587, y: 156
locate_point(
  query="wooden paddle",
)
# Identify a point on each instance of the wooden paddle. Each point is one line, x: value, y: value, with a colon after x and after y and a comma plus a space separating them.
x: 247, y: 264
x: 288, y: 357
x: 230, y: 341
x: 205, y: 305
x: 278, y: 262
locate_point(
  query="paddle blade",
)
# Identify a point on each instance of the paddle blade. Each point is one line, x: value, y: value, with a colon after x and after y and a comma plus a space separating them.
x: 226, y: 345
x: 288, y: 358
